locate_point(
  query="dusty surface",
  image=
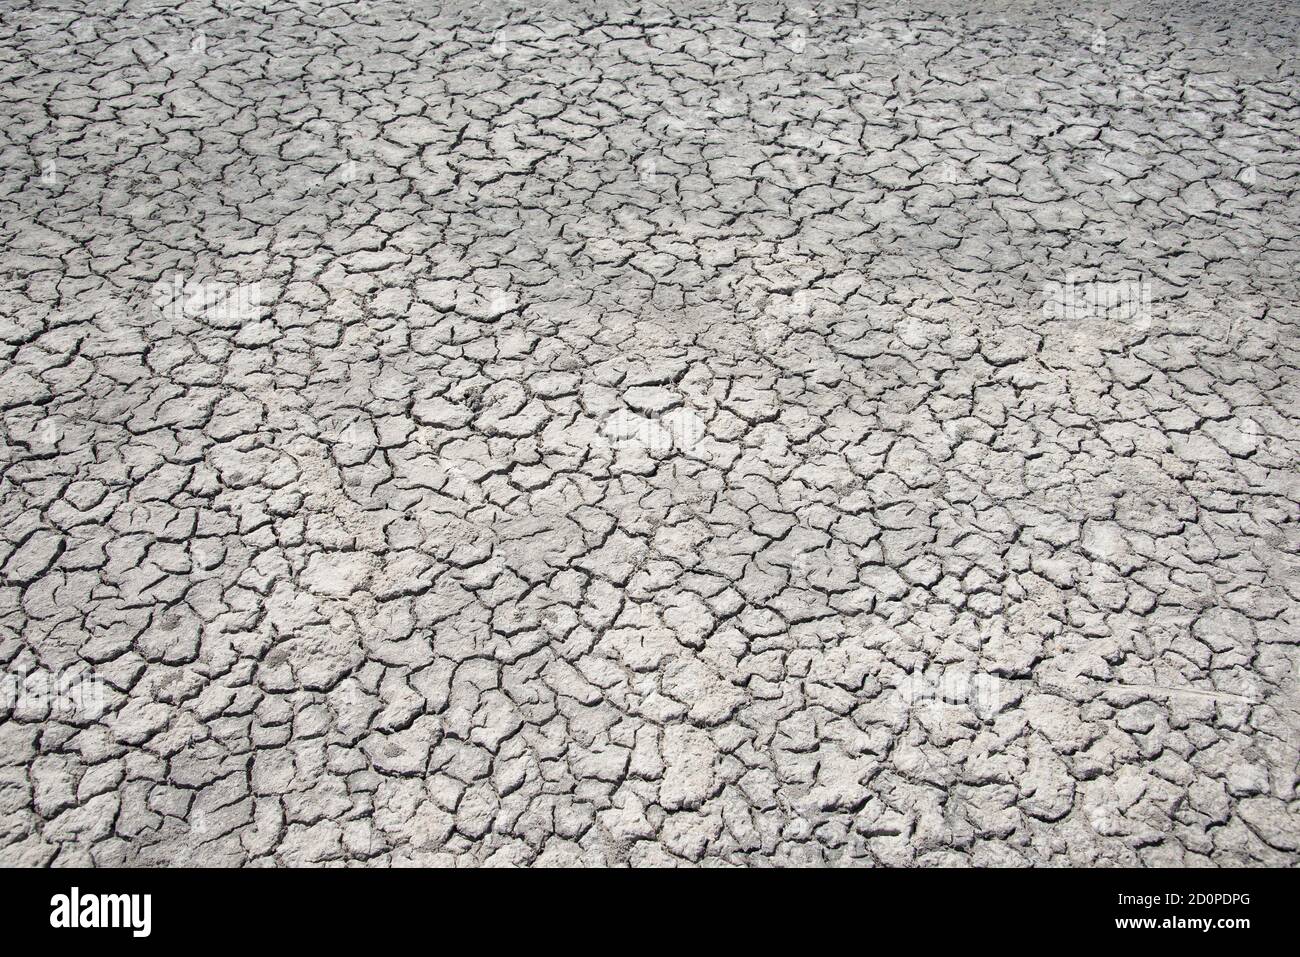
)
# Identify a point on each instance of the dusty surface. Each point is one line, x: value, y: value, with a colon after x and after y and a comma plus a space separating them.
x: 613, y: 436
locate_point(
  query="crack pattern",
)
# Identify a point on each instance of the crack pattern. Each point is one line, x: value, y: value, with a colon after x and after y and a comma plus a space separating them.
x: 584, y: 433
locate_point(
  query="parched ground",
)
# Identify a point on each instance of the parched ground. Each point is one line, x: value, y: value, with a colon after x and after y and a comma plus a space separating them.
x: 599, y: 433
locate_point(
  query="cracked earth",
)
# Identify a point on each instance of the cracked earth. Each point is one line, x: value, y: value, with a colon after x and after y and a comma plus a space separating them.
x: 594, y: 434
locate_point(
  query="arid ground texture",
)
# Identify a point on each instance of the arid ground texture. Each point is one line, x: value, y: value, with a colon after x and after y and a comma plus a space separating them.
x: 602, y: 433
